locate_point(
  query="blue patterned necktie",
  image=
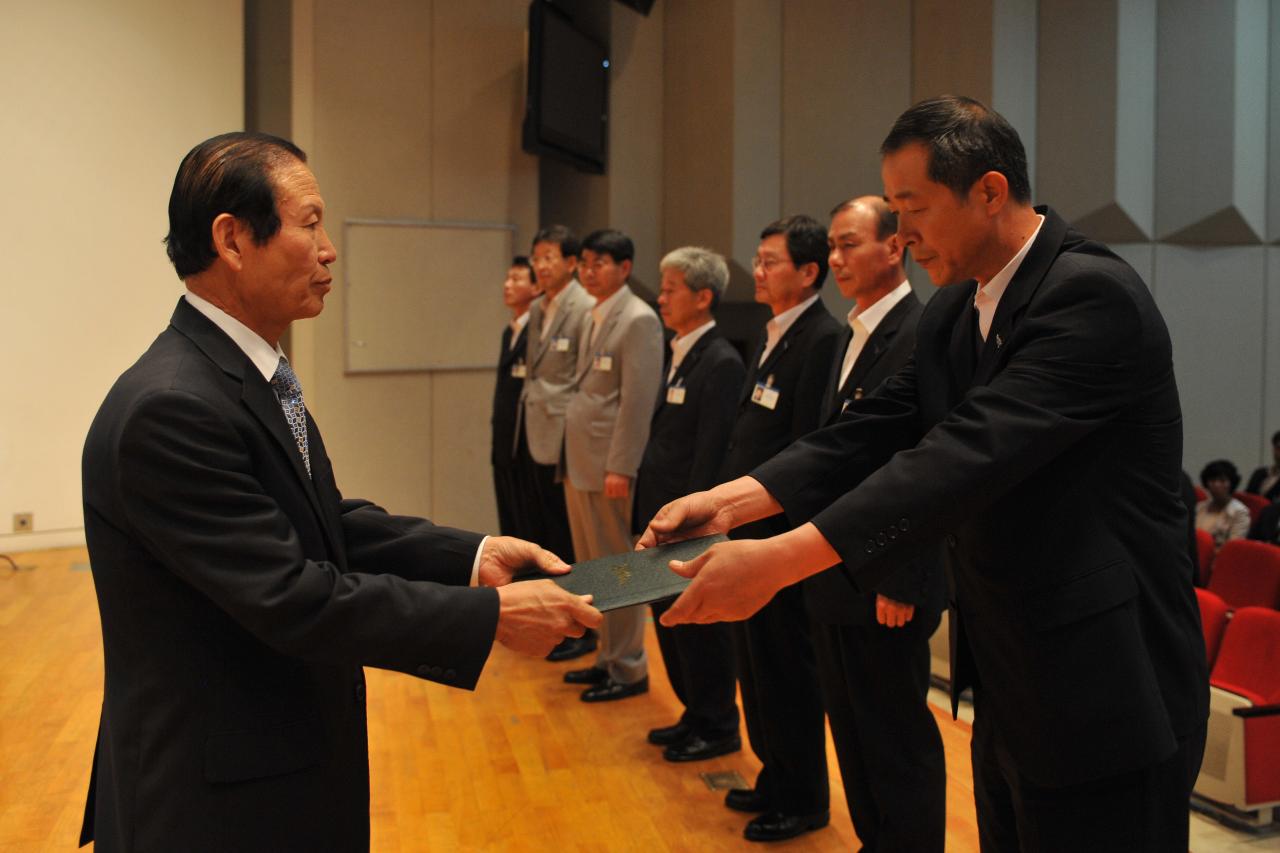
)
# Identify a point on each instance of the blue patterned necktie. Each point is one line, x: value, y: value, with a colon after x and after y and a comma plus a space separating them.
x: 289, y: 392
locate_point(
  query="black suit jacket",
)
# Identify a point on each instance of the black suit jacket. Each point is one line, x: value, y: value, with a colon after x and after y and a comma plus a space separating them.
x: 798, y: 367
x: 1052, y: 472
x: 506, y: 399
x: 830, y: 595
x: 239, y: 599
x: 1255, y: 483
x: 687, y: 441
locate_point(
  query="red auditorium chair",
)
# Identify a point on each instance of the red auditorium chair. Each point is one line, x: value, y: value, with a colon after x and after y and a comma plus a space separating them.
x: 1201, y: 494
x: 1214, y: 614
x: 1240, y: 775
x: 1247, y: 574
x: 1204, y: 552
x: 1255, y: 503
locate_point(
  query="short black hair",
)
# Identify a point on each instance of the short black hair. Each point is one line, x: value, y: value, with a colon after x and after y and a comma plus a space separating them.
x: 1218, y: 469
x: 1275, y: 438
x: 615, y: 244
x: 806, y: 242
x: 230, y: 173
x: 522, y: 261
x: 965, y: 140
x: 559, y: 235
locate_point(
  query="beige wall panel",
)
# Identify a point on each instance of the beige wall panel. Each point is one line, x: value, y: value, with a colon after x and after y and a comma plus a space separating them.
x: 757, y: 125
x: 461, y: 479
x: 102, y: 100
x: 846, y: 75
x: 697, y: 123
x: 951, y: 49
x: 1097, y: 82
x: 1211, y: 121
x: 478, y: 170
x: 373, y: 110
x: 635, y: 139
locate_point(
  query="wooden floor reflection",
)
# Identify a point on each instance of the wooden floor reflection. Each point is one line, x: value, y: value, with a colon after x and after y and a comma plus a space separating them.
x: 519, y: 765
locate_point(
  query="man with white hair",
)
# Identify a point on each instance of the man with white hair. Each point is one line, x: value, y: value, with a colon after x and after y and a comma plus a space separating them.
x: 688, y: 438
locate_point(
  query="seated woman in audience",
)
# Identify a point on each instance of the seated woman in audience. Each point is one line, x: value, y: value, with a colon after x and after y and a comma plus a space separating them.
x: 1223, y: 516
x: 1265, y: 481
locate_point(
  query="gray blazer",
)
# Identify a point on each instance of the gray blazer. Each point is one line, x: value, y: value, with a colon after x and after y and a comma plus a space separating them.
x: 607, y: 423
x: 552, y: 372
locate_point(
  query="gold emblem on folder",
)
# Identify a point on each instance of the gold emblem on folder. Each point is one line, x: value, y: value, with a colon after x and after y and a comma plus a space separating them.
x: 623, y: 574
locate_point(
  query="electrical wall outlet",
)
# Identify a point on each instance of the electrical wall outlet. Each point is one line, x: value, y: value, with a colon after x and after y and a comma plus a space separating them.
x: 24, y: 522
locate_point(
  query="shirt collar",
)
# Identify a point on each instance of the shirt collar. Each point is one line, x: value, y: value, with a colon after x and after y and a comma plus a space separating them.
x: 264, y: 356
x: 680, y: 346
x: 994, y: 289
x: 518, y: 324
x: 783, y: 321
x: 601, y: 310
x: 871, y: 317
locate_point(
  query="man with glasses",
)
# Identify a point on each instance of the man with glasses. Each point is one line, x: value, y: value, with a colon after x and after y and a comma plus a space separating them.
x: 783, y: 400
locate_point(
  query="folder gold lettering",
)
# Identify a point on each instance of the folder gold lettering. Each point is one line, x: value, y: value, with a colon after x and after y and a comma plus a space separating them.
x: 633, y: 577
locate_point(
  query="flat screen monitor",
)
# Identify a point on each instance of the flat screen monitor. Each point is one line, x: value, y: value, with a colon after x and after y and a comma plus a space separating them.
x: 567, y: 103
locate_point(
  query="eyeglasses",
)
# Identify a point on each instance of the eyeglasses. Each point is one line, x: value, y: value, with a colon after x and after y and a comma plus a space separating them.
x: 767, y: 264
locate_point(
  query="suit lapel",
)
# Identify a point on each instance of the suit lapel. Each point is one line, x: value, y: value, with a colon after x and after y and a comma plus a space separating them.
x: 964, y: 342
x: 686, y: 367
x: 256, y: 394
x: 834, y: 394
x: 1021, y: 288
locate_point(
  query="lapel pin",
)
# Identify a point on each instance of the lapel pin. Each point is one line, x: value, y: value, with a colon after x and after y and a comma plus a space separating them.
x: 999, y: 341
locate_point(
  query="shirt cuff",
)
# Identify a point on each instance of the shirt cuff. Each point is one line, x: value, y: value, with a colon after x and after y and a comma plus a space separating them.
x: 475, y: 564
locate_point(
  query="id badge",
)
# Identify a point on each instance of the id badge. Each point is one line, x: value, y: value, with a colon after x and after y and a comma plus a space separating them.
x: 765, y: 395
x: 519, y: 370
x: 560, y: 344
x: 602, y: 362
x: 675, y: 395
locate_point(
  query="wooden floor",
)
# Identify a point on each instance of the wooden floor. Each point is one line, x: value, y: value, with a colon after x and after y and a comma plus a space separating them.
x: 520, y: 764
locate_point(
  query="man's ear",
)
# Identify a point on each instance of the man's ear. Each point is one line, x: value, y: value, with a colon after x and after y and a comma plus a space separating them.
x: 703, y: 298
x: 992, y: 191
x: 894, y: 246
x: 229, y: 237
x: 626, y: 270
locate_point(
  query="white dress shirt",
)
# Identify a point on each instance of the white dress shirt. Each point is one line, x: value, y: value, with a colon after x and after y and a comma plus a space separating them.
x: 517, y: 326
x: 680, y: 346
x: 266, y: 359
x: 601, y: 311
x: 988, y: 295
x: 777, y: 326
x: 864, y: 323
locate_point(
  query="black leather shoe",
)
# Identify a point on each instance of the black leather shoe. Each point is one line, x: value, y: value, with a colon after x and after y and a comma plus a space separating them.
x: 746, y: 800
x: 573, y: 647
x: 776, y: 826
x: 697, y: 749
x: 668, y: 735
x: 608, y: 690
x: 590, y: 675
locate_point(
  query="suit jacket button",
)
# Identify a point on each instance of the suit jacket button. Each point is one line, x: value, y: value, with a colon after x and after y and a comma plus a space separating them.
x: 871, y: 547
x: 881, y: 540
x: 359, y: 692
x: 893, y: 532
x: 951, y: 540
x: 424, y: 670
x: 450, y: 674
x: 903, y: 525
x: 436, y: 672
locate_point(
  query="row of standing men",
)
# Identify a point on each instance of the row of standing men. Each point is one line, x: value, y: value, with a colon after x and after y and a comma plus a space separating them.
x: 597, y: 424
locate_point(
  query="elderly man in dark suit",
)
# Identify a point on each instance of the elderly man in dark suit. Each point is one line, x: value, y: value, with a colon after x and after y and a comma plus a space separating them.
x: 687, y: 441
x: 1037, y: 430
x: 512, y: 484
x: 782, y: 400
x: 240, y: 594
x: 872, y: 646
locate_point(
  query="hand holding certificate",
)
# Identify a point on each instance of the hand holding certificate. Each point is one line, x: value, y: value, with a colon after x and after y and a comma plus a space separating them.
x: 634, y: 577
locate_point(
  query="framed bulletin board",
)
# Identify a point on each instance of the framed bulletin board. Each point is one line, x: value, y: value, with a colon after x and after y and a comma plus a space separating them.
x: 422, y: 295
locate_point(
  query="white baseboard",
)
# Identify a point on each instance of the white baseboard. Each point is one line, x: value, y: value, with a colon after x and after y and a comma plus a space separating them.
x: 13, y: 543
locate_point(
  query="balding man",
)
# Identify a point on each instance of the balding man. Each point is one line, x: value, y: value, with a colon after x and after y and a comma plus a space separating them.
x: 240, y: 594
x: 872, y: 646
